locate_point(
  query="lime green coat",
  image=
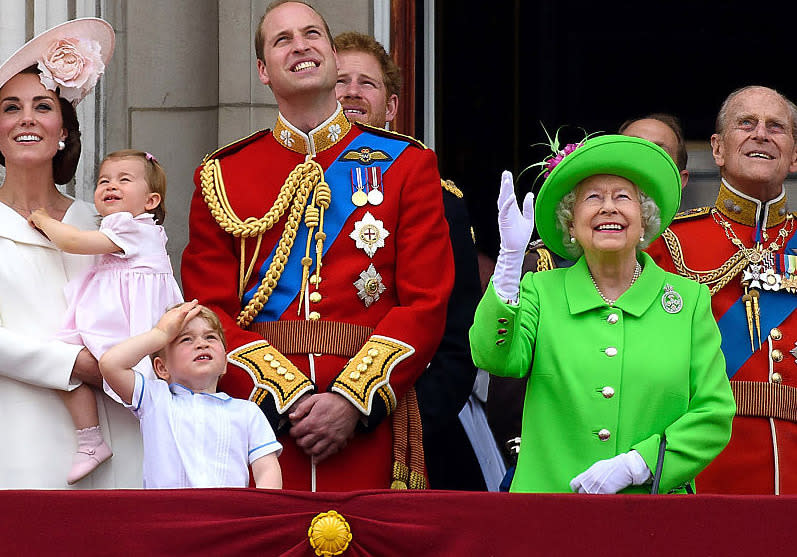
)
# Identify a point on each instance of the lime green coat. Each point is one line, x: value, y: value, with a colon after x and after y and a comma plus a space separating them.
x: 667, y: 374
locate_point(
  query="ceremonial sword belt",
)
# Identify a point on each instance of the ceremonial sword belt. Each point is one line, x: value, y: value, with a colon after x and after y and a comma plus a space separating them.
x: 314, y: 337
x: 765, y: 400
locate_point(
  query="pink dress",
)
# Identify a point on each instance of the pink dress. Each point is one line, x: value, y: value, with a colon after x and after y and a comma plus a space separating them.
x: 124, y: 293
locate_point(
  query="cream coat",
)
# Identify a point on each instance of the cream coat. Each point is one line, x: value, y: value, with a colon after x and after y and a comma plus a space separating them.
x: 37, y: 437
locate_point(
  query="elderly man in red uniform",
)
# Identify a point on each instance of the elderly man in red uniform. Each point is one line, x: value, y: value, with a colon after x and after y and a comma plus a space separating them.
x: 322, y: 245
x: 743, y: 248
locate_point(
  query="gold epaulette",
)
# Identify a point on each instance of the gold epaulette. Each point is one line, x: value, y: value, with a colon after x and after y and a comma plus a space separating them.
x: 391, y: 134
x: 452, y: 188
x: 235, y: 146
x: 692, y: 213
x: 545, y: 260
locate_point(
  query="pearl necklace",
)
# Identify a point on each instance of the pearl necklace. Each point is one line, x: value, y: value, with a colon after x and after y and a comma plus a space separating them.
x: 637, y: 272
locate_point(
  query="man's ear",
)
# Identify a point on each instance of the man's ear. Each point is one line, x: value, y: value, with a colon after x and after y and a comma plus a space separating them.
x: 718, y: 150
x: 684, y: 178
x: 160, y: 368
x: 262, y: 72
x: 391, y: 108
x: 793, y: 165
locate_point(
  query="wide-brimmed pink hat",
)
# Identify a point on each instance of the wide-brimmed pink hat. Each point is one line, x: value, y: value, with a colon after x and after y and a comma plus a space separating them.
x: 71, y: 57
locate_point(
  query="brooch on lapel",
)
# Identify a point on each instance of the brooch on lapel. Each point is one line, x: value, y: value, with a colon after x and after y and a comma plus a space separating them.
x: 671, y: 301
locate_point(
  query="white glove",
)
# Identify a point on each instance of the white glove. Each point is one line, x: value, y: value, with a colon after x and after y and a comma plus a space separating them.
x: 612, y: 475
x: 515, y: 229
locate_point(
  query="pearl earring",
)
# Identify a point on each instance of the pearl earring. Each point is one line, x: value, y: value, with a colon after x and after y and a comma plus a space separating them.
x: 572, y: 240
x: 61, y: 145
x: 642, y: 238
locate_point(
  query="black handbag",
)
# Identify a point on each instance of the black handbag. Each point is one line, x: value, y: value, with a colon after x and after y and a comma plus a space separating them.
x: 654, y: 489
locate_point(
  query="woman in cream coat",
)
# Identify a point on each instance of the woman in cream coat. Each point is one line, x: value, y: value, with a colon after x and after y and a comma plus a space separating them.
x: 39, y: 146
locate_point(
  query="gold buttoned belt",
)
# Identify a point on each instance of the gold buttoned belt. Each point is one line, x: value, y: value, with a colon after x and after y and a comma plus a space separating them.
x: 765, y: 400
x: 314, y: 337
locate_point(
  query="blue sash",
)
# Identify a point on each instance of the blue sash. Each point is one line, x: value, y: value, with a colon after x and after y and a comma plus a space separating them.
x: 775, y: 308
x: 338, y: 176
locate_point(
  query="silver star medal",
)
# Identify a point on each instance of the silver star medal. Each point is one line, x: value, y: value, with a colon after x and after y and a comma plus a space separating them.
x: 793, y: 352
x: 369, y: 285
x: 671, y: 301
x: 369, y: 234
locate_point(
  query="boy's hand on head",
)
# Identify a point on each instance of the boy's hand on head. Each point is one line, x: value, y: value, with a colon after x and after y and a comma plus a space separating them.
x: 174, y: 320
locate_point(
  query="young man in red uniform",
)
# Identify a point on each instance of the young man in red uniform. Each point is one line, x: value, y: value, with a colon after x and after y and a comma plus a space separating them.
x: 368, y: 88
x: 743, y: 249
x: 323, y: 246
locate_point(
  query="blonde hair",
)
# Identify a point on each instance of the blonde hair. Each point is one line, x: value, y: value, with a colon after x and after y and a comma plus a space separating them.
x: 210, y: 317
x: 155, y: 176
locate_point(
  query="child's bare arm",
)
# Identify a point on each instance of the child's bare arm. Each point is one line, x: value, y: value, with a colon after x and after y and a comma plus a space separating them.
x: 267, y: 473
x: 116, y: 365
x: 71, y: 239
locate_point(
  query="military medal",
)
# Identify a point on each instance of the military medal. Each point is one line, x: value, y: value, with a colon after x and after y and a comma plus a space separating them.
x: 369, y: 285
x: 375, y: 195
x: 369, y: 234
x: 671, y: 301
x: 788, y: 279
x: 358, y: 196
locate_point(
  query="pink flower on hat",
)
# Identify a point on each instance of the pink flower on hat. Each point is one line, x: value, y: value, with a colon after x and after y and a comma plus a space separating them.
x: 551, y: 162
x: 74, y: 65
x: 557, y: 155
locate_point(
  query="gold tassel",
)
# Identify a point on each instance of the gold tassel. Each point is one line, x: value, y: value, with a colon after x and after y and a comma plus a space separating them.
x: 757, y: 314
x: 748, y: 309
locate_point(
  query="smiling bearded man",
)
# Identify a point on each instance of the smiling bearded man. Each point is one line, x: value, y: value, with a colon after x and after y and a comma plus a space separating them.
x: 742, y: 248
x: 322, y: 246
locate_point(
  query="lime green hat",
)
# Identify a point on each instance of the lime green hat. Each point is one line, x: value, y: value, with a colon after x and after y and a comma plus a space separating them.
x: 644, y: 163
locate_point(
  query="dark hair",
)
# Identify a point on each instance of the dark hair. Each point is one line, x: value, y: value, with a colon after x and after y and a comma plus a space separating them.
x: 155, y: 177
x: 65, y: 161
x: 672, y: 122
x: 260, y: 39
x: 360, y: 42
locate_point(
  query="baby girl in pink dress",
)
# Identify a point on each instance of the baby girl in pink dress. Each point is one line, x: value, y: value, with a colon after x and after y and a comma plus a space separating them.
x: 125, y: 292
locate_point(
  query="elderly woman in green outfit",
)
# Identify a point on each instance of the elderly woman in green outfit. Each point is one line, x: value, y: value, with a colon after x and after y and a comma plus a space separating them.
x: 619, y: 352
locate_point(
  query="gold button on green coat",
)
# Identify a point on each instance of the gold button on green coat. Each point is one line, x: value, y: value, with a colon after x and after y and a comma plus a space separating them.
x: 669, y: 373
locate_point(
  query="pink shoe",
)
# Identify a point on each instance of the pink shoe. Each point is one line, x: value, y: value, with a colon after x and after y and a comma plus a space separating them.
x: 91, y: 452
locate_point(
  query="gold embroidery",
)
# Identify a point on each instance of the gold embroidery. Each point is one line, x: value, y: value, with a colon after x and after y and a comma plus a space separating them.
x: 369, y: 371
x: 273, y: 372
x: 321, y: 138
x: 545, y: 260
x: 452, y: 188
x: 744, y: 211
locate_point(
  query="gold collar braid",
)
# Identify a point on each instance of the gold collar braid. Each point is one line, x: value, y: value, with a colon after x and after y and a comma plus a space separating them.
x: 748, y: 211
x: 294, y: 193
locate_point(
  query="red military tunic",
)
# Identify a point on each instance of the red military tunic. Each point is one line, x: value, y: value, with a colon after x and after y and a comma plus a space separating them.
x: 369, y: 327
x: 761, y: 457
